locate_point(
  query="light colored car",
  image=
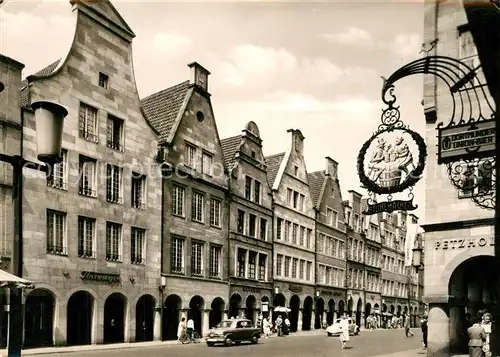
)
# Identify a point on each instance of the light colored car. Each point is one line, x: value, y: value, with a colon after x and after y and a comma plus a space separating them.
x: 335, y: 328
x: 233, y: 331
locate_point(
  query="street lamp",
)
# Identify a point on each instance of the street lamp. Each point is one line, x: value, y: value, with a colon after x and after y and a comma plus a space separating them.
x: 49, y: 127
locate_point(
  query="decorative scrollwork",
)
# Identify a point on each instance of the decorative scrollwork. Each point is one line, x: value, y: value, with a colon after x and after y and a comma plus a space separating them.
x: 475, y: 179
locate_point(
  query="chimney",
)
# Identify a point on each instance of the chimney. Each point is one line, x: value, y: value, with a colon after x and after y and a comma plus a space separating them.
x: 297, y: 141
x: 199, y: 76
x: 331, y: 167
x: 10, y: 96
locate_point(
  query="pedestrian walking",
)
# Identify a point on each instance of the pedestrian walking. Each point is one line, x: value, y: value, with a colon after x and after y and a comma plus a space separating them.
x: 408, y: 332
x: 344, y: 333
x: 279, y: 325
x: 486, y: 324
x: 190, y: 329
x: 286, y: 326
x: 266, y: 324
x: 477, y: 339
x: 424, y: 328
x: 181, y: 329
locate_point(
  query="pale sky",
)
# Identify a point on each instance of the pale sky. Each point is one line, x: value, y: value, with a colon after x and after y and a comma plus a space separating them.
x: 313, y: 66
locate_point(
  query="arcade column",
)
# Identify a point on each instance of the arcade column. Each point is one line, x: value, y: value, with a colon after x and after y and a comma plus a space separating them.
x: 299, y: 322
x: 157, y: 324
x: 205, y: 322
x: 225, y: 315
x: 438, y: 338
x: 313, y: 319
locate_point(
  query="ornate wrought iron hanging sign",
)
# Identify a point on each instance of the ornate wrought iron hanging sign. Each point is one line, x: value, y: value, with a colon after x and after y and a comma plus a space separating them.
x: 391, y: 161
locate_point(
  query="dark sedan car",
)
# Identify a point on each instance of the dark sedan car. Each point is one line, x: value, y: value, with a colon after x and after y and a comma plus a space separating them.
x: 233, y: 331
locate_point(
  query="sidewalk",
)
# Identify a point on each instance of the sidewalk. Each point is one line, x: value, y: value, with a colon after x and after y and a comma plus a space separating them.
x: 409, y: 353
x: 117, y: 346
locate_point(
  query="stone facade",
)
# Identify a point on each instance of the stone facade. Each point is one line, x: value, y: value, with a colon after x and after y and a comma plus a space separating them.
x: 85, y: 217
x: 459, y: 241
x: 250, y: 225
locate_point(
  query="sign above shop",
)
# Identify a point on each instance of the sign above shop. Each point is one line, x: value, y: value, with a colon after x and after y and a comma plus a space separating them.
x: 464, y: 243
x: 101, y: 277
x: 295, y: 288
x: 474, y: 140
x: 248, y: 289
x: 391, y: 161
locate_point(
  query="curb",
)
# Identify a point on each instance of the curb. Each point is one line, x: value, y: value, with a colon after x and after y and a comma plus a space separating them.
x: 416, y: 352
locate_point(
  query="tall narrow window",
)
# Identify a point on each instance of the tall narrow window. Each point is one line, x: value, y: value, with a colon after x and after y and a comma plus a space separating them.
x: 302, y: 236
x: 87, y: 122
x: 256, y: 191
x: 114, y: 187
x: 177, y: 255
x: 302, y: 269
x: 248, y: 188
x: 207, y: 164
x: 295, y: 233
x: 196, y: 258
x: 113, y: 242
x: 295, y: 199
x: 137, y: 246
x: 215, y: 212
x: 252, y: 225
x: 88, y: 176
x: 288, y: 261
x: 279, y: 228
x: 263, y: 228
x: 241, y: 267
x: 289, y: 196
x: 262, y: 267
x: 190, y: 160
x: 279, y: 265
x: 103, y: 80
x: 58, y: 177
x: 215, y: 261
x: 56, y: 232
x: 295, y: 263
x: 178, y: 197
x: 197, y: 207
x: 138, y: 191
x: 241, y: 222
x: 288, y: 229
x: 86, y: 236
x: 309, y: 271
x: 252, y: 264
x: 114, y: 133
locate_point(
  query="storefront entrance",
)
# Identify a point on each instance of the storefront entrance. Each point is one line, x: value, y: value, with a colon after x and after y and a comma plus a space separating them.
x: 39, y: 319
x: 80, y: 315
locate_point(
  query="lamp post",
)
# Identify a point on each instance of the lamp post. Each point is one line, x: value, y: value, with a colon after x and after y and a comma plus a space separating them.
x: 49, y: 126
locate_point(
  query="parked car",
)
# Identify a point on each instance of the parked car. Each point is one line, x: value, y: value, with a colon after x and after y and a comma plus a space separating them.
x: 335, y: 328
x: 233, y: 331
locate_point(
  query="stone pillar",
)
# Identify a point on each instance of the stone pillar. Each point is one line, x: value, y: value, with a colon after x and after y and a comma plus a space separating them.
x: 183, y: 313
x: 323, y: 318
x: 438, y: 339
x: 299, y: 322
x: 241, y: 313
x: 205, y: 322
x: 225, y: 315
x: 157, y: 332
x: 313, y: 319
x: 335, y: 316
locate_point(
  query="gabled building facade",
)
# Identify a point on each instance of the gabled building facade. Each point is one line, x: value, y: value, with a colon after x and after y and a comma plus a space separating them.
x: 195, y: 205
x: 330, y: 244
x: 92, y: 245
x: 294, y: 242
x: 373, y: 263
x: 250, y: 225
x: 356, y: 272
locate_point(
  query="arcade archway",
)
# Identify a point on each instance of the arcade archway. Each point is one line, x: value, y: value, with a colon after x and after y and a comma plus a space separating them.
x: 171, y: 317
x: 307, y: 312
x: 331, y: 312
x: 341, y: 308
x: 294, y: 313
x: 398, y: 311
x: 350, y: 304
x: 320, y: 309
x: 279, y: 300
x: 144, y: 318
x: 234, y: 305
x: 472, y: 287
x: 359, y: 311
x: 368, y: 311
x: 39, y: 319
x: 216, y: 312
x: 251, y: 308
x: 114, y: 318
x: 80, y: 313
x: 196, y: 306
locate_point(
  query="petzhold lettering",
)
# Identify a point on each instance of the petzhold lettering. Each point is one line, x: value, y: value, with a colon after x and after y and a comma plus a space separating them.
x: 390, y: 207
x: 105, y: 278
x: 464, y: 243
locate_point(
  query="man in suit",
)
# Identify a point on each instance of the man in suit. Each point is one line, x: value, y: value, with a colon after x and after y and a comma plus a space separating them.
x: 477, y: 337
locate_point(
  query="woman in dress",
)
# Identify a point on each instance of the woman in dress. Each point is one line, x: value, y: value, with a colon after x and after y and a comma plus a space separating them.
x: 486, y: 324
x: 344, y: 333
x: 477, y: 338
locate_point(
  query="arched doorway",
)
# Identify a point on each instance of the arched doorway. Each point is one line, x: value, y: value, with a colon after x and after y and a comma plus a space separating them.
x: 294, y: 313
x: 472, y: 287
x: 171, y: 310
x: 264, y: 301
x: 350, y: 304
x: 307, y: 314
x: 391, y: 309
x: 234, y: 305
x: 39, y: 319
x: 359, y: 311
x: 398, y: 311
x: 331, y: 312
x: 196, y: 306
x: 320, y: 309
x: 279, y: 300
x: 114, y: 318
x: 144, y: 318
x: 341, y: 308
x: 216, y: 312
x: 250, y: 308
x: 80, y: 315
x: 368, y: 311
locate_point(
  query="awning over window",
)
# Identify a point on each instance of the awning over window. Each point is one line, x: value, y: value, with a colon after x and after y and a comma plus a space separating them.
x: 9, y: 280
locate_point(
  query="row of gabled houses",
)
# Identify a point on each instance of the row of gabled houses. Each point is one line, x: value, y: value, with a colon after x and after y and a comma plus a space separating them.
x: 151, y: 216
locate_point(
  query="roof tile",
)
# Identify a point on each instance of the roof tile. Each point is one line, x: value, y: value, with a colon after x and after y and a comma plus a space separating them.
x: 43, y: 72
x: 229, y: 148
x: 316, y: 180
x: 273, y: 163
x: 162, y: 108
